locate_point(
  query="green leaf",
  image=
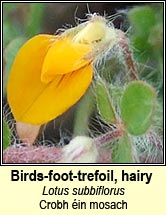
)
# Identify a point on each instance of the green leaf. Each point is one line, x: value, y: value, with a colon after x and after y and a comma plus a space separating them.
x: 137, y: 107
x: 142, y: 19
x: 6, y: 135
x: 122, y: 151
x: 9, y: 55
x: 104, y: 103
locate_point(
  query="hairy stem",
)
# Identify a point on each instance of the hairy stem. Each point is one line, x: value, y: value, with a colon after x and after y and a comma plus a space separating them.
x: 108, y: 137
x: 129, y: 61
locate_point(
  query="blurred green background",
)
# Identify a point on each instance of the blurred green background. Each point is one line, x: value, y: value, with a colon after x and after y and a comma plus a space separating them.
x: 142, y: 22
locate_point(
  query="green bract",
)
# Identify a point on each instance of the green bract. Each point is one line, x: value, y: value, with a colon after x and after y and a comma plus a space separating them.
x: 104, y: 103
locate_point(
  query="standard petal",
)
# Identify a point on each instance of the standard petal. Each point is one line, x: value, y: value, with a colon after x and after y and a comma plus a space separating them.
x: 64, y: 57
x: 58, y: 96
x: 24, y: 84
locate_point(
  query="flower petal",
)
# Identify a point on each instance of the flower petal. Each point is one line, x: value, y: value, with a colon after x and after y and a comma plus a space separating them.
x: 58, y: 96
x: 33, y: 101
x: 36, y: 103
x: 63, y: 57
x: 24, y: 79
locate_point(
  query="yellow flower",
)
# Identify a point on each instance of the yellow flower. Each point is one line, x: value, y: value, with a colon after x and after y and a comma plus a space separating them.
x: 51, y: 73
